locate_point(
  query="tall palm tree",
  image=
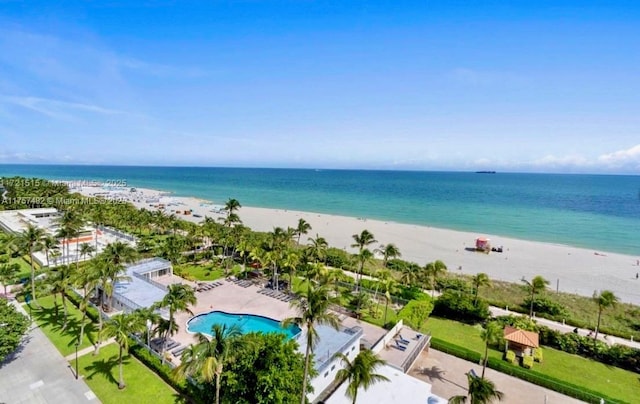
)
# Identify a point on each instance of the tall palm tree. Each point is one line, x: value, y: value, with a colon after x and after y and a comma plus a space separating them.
x: 480, y: 391
x: 116, y: 255
x: 317, y: 249
x: 359, y: 373
x: 61, y: 284
x: 433, y: 271
x: 604, y: 300
x: 312, y: 310
x: 86, y: 249
x: 206, y: 360
x: 178, y: 298
x: 49, y: 243
x: 31, y: 240
x: 490, y: 335
x: 290, y: 261
x: 361, y: 241
x: 362, y: 257
x: 97, y: 217
x: 302, y: 228
x: 537, y: 285
x: 119, y: 327
x: 388, y: 251
x: 478, y: 280
x: 87, y: 279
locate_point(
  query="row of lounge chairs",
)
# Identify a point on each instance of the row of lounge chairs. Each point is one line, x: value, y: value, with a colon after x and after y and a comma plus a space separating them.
x: 208, y: 286
x: 276, y: 294
x: 401, y: 343
x: 172, y: 346
x: 244, y: 283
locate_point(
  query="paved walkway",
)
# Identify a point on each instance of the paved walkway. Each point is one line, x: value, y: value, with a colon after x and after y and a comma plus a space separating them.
x: 447, y: 376
x: 554, y: 325
x: 37, y: 373
x: 89, y: 349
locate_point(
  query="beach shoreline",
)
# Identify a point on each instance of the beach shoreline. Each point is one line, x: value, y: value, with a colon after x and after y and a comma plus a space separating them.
x: 571, y: 269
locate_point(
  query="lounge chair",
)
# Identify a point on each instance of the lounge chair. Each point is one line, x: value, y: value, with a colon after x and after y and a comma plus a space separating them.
x: 402, y: 340
x: 176, y: 352
x: 172, y: 345
x: 473, y: 373
x: 400, y: 347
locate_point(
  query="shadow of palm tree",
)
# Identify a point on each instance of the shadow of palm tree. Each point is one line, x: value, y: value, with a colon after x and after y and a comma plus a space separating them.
x: 104, y: 368
x: 435, y: 373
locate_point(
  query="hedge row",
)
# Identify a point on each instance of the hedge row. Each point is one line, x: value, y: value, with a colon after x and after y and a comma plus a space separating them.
x: 154, y: 363
x: 531, y: 376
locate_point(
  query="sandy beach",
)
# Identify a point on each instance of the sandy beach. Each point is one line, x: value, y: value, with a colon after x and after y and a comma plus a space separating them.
x: 575, y: 270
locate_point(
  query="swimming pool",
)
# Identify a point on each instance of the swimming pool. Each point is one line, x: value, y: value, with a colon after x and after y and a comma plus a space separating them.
x: 246, y: 322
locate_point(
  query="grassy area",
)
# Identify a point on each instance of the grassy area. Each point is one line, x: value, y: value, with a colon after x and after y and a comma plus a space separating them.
x: 52, y: 325
x: 582, y: 311
x: 201, y: 272
x: 614, y: 382
x: 102, y: 373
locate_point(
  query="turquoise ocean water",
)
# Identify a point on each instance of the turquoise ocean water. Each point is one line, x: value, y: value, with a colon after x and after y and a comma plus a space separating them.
x: 593, y: 211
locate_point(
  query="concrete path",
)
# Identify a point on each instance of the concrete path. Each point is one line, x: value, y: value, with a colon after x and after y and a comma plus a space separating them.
x: 554, y: 325
x: 89, y: 349
x: 447, y: 376
x: 37, y: 373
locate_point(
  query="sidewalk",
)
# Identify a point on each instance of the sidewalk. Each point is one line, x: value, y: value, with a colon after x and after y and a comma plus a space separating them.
x: 89, y: 349
x: 554, y: 325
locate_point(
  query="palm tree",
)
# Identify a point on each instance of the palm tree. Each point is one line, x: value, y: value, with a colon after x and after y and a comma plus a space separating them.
x: 86, y: 249
x: 478, y: 280
x: 206, y: 360
x: 537, y: 284
x: 61, y: 284
x: 388, y: 251
x: 480, y: 391
x: 312, y: 310
x: 8, y: 272
x: 317, y: 248
x: 361, y: 241
x: 433, y: 270
x: 119, y: 327
x: 49, y: 243
x: 362, y: 257
x: 178, y: 298
x: 360, y: 372
x: 116, y: 255
x: 290, y: 261
x: 302, y: 228
x: 31, y: 240
x: 87, y: 279
x: 604, y: 300
x: 490, y: 335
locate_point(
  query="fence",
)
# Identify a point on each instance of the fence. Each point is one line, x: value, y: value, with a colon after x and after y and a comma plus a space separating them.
x: 151, y: 281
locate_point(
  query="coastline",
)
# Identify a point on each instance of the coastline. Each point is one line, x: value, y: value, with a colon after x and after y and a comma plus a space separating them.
x: 575, y: 270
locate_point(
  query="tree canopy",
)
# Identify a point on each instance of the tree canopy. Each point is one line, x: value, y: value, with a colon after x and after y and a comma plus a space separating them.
x: 13, y: 326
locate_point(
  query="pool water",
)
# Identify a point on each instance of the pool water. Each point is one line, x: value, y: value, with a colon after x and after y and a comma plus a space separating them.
x: 246, y: 322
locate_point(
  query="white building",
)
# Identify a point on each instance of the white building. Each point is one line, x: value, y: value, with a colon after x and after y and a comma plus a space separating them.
x: 141, y: 290
x: 401, y: 388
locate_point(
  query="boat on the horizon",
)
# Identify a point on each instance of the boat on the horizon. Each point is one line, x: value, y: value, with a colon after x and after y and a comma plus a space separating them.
x: 485, y: 172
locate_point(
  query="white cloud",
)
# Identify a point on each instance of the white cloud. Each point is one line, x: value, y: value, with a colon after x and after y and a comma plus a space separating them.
x: 56, y: 109
x: 628, y: 158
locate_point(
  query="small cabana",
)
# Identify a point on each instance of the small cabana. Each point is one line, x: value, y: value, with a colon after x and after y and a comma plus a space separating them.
x: 482, y: 244
x: 523, y: 343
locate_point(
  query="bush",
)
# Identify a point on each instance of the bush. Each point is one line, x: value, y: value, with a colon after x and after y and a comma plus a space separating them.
x: 338, y: 258
x: 155, y: 364
x: 459, y: 284
x: 13, y: 325
x: 544, y: 305
x: 460, y: 306
x: 510, y: 357
x: 537, y: 355
x: 527, y: 362
x: 416, y: 312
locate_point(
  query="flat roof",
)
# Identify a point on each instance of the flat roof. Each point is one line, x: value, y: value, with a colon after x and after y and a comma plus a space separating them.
x: 142, y: 293
x: 401, y: 388
x: 148, y: 265
x: 330, y: 341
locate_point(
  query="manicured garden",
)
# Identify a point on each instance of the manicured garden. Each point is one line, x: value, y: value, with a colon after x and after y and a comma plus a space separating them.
x: 142, y: 385
x: 201, y: 272
x: 51, y: 324
x: 573, y: 369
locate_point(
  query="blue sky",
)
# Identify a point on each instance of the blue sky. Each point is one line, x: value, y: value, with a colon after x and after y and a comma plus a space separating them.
x: 546, y: 86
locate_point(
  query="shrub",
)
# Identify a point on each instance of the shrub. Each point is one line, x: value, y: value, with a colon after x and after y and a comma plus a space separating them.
x: 510, y: 357
x: 416, y: 312
x: 537, y: 355
x: 527, y: 362
x: 460, y: 306
x: 544, y: 305
x: 337, y: 258
x: 459, y: 284
x: 155, y: 364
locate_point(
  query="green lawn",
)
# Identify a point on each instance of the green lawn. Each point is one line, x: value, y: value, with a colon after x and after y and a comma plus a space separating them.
x: 52, y: 325
x: 102, y: 373
x: 612, y: 381
x: 202, y: 272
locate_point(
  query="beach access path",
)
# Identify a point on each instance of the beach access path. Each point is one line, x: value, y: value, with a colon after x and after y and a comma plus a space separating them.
x: 554, y: 325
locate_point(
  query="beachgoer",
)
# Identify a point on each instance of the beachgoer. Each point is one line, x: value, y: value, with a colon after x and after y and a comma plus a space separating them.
x: 637, y: 275
x: 575, y: 330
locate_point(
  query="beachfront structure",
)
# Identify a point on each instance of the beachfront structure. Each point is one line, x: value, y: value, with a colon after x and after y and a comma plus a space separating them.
x: 401, y: 388
x: 140, y: 289
x: 330, y: 342
x: 523, y: 343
